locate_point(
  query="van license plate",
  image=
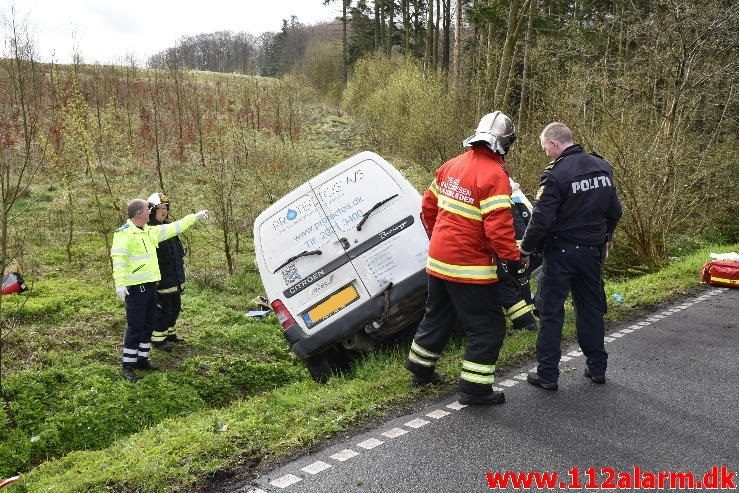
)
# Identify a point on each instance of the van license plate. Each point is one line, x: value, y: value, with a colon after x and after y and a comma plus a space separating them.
x: 331, y: 305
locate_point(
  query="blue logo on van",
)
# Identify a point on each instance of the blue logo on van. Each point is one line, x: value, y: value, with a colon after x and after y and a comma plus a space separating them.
x: 291, y: 214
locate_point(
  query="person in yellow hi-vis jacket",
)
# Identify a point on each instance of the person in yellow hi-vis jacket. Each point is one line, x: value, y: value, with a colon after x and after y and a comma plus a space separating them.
x: 136, y: 272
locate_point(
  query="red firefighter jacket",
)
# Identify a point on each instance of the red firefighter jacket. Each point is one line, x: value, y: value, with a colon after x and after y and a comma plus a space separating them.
x: 467, y: 213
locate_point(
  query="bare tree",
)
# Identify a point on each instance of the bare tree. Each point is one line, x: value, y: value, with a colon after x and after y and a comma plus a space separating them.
x: 21, y: 151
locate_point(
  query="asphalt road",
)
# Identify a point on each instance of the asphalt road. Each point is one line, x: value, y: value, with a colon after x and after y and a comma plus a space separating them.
x: 671, y: 403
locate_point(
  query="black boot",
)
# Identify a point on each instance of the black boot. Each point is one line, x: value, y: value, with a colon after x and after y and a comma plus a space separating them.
x: 434, y: 379
x: 129, y: 374
x: 494, y: 397
x: 600, y: 379
x: 145, y: 364
x: 164, y: 345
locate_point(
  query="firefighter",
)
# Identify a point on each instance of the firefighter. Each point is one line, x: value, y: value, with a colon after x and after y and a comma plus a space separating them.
x: 170, y: 254
x: 515, y: 297
x: 576, y: 213
x: 136, y: 273
x: 467, y: 213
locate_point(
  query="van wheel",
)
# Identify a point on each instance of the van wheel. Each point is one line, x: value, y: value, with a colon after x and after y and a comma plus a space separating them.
x: 333, y: 361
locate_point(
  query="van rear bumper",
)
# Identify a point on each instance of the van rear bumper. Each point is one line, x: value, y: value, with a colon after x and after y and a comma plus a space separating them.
x: 305, y: 345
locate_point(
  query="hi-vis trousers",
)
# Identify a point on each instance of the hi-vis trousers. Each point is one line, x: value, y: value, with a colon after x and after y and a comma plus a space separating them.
x: 480, y: 314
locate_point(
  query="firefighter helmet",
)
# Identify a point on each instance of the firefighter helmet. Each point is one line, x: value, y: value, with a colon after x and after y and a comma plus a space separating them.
x: 496, y: 130
x: 156, y: 199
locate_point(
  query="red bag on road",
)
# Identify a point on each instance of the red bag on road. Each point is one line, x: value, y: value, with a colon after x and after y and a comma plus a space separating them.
x: 723, y: 273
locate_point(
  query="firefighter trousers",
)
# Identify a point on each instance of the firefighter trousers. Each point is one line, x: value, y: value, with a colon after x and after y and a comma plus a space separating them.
x: 168, y: 310
x: 478, y: 309
x: 140, y: 312
x: 576, y: 268
x: 516, y: 301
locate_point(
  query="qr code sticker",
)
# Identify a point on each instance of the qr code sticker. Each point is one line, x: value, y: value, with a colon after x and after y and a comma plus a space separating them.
x: 290, y: 274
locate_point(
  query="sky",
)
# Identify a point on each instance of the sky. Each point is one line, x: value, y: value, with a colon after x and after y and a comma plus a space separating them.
x: 106, y: 31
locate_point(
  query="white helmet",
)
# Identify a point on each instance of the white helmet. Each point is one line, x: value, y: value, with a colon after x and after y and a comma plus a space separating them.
x: 156, y: 199
x: 496, y: 130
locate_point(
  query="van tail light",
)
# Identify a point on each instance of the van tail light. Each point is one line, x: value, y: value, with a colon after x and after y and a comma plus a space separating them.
x: 283, y: 315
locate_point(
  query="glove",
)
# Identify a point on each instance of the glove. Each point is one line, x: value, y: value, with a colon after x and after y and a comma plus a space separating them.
x: 121, y: 293
x: 201, y: 215
x: 516, y: 268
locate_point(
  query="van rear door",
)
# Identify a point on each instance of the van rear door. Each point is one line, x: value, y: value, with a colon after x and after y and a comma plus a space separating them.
x: 310, y: 270
x: 375, y: 213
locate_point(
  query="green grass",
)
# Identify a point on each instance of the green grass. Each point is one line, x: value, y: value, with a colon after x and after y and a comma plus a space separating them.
x: 263, y: 423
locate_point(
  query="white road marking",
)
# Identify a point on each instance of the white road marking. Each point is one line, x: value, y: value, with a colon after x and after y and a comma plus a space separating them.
x: 370, y: 444
x: 344, y: 455
x: 520, y: 376
x: 256, y: 490
x: 497, y: 389
x: 627, y: 331
x: 574, y: 354
x: 416, y: 423
x: 609, y: 339
x: 565, y: 358
x: 508, y: 383
x: 285, y: 481
x: 394, y: 433
x: 456, y: 406
x: 617, y: 334
x: 438, y: 414
x: 532, y: 370
x: 316, y: 467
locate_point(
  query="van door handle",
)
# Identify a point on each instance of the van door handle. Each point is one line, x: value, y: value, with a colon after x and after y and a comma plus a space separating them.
x: 344, y: 243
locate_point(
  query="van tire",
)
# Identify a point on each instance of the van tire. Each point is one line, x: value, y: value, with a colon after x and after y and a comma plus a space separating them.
x: 333, y: 361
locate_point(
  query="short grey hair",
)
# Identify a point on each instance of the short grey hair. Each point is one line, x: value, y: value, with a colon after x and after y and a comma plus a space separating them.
x: 558, y: 132
x: 135, y: 206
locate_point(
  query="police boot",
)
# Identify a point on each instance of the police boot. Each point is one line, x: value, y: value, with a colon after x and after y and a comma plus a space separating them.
x: 600, y: 379
x: 129, y: 374
x: 494, y: 397
x: 146, y: 364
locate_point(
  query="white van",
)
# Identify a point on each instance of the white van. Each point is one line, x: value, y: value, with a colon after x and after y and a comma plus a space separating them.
x: 342, y: 259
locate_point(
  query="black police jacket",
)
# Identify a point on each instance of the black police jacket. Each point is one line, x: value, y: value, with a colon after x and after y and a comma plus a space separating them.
x: 170, y: 254
x: 576, y: 202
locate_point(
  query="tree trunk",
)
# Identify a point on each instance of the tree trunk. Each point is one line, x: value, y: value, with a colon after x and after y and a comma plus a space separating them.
x: 436, y: 35
x: 377, y: 24
x: 345, y: 56
x: 390, y: 27
x: 457, y: 72
x: 406, y: 27
x: 446, y: 38
x: 507, y: 56
x: 429, y: 57
x: 525, y: 75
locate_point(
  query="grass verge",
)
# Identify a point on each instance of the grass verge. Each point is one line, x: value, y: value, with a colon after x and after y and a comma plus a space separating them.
x: 181, y: 453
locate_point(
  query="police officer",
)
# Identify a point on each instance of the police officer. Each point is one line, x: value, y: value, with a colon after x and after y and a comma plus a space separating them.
x: 170, y: 254
x: 136, y: 272
x: 575, y: 215
x: 467, y: 213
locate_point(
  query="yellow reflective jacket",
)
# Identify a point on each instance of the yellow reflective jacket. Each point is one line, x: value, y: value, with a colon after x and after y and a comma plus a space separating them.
x: 134, y: 250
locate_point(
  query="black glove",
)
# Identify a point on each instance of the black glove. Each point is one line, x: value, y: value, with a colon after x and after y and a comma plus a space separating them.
x: 517, y: 269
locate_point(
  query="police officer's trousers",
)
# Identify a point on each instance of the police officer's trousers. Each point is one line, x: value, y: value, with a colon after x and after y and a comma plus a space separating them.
x: 577, y: 268
x: 140, y: 312
x: 478, y: 309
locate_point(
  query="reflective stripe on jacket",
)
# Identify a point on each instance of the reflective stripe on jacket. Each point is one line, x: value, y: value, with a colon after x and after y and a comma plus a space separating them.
x: 134, y: 250
x: 467, y: 213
